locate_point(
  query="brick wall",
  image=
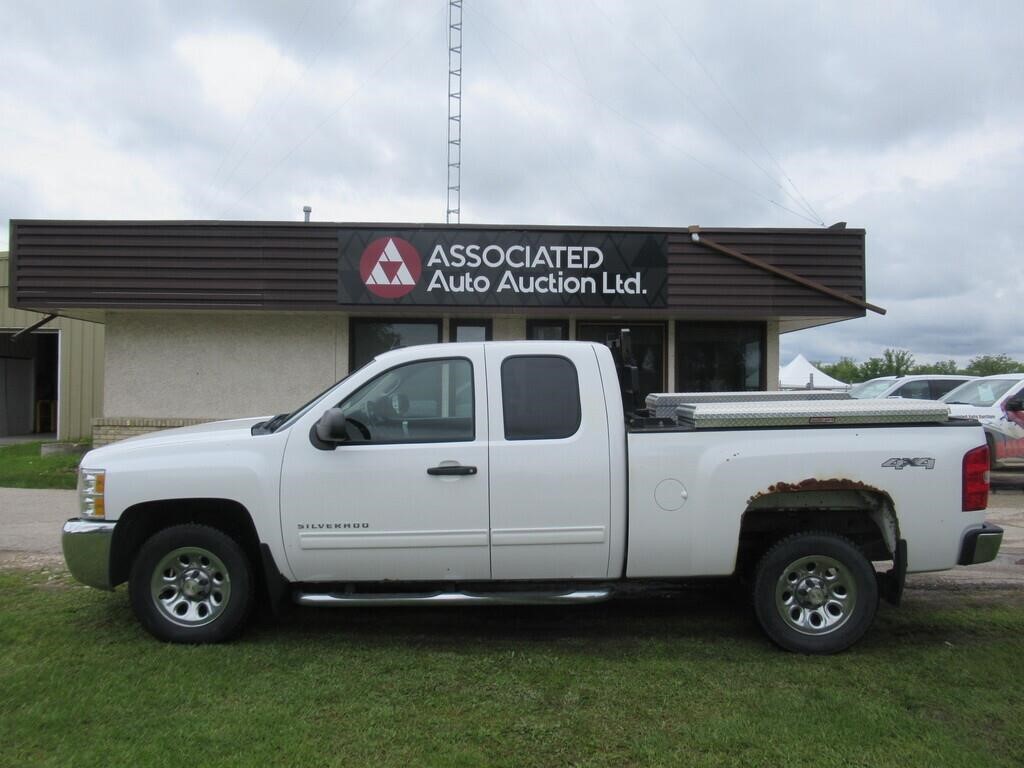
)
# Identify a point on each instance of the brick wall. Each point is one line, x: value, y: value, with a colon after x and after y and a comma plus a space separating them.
x: 111, y: 429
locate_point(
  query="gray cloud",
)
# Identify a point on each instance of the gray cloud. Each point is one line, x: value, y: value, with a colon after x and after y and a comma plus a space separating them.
x: 904, y: 119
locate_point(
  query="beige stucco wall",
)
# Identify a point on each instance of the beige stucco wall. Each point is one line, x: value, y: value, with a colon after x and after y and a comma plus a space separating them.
x: 204, y: 365
x: 220, y: 365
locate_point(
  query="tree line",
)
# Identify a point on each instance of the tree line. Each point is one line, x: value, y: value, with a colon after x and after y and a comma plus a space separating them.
x: 900, y: 362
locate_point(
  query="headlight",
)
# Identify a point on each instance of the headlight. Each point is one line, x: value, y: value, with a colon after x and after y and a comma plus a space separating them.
x: 91, y: 484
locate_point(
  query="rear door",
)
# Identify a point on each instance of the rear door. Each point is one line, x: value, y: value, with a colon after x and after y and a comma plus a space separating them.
x: 549, y: 463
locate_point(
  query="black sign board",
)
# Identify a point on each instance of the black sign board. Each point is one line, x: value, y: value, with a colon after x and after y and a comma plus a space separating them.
x: 502, y: 268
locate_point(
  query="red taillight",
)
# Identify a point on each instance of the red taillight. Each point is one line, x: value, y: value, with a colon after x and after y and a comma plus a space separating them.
x: 976, y: 479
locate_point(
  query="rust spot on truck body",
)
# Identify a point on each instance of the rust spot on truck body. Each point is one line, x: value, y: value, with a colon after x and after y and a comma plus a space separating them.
x: 814, y: 484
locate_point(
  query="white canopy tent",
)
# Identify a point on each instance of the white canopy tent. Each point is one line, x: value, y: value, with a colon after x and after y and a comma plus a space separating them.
x: 800, y: 373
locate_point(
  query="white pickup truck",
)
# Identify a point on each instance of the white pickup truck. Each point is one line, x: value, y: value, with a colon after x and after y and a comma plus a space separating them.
x: 506, y: 472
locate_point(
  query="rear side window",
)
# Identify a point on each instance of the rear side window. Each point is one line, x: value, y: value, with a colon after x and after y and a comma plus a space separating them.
x: 540, y: 395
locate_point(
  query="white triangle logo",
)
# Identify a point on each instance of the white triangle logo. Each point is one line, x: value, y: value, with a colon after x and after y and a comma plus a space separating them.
x: 390, y: 255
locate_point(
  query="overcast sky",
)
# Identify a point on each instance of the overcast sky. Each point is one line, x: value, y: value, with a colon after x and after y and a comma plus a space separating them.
x: 906, y: 119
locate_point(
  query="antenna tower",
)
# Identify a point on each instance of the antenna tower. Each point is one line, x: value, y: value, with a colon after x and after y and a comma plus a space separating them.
x: 454, y: 111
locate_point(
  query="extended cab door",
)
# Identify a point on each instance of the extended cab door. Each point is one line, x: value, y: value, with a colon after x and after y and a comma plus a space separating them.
x: 550, y: 465
x: 406, y: 497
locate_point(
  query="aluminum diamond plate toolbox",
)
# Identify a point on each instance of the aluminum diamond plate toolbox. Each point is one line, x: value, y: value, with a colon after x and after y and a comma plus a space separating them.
x: 664, y: 404
x: 802, y: 414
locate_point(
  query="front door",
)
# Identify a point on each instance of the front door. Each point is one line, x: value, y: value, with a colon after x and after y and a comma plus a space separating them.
x: 407, y: 497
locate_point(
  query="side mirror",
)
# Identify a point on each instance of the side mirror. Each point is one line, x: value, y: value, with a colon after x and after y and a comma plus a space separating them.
x: 329, y: 430
x: 1016, y: 404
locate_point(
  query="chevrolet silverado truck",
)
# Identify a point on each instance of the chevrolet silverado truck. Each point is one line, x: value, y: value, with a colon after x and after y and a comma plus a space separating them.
x: 509, y: 473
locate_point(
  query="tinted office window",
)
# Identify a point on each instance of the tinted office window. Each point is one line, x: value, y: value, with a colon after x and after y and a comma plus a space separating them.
x: 648, y: 342
x: 429, y: 401
x: 720, y: 357
x: 368, y: 338
x: 547, y: 330
x: 470, y: 330
x: 540, y: 395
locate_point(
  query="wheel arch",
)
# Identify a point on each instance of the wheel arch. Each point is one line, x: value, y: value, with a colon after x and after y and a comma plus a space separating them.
x: 141, y: 521
x: 866, y: 516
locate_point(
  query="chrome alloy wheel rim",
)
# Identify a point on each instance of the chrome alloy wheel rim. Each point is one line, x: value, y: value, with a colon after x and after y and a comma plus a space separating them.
x: 190, y: 587
x: 815, y: 595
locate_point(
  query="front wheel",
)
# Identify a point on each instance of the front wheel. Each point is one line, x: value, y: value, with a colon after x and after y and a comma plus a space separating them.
x: 191, y: 584
x: 815, y: 593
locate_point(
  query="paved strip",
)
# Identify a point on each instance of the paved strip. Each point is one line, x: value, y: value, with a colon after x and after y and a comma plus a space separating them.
x: 31, y: 520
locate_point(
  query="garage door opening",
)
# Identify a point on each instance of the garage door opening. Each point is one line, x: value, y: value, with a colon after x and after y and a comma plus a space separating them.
x: 29, y: 371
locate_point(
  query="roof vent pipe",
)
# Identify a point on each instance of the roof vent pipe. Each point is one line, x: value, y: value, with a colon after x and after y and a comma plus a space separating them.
x: 306, y: 210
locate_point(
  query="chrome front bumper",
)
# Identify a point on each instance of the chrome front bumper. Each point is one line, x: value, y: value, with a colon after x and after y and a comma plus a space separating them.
x: 980, y: 545
x: 86, y: 545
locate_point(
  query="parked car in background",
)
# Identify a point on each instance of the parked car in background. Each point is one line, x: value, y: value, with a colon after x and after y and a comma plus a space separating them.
x: 920, y: 387
x: 996, y: 401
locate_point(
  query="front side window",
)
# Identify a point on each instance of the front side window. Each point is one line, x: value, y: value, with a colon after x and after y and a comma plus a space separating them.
x: 915, y: 390
x: 540, y: 396
x: 868, y: 389
x: 425, y: 402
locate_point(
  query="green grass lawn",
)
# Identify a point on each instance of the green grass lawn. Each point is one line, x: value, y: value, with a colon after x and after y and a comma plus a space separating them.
x: 21, y: 466
x: 685, y: 680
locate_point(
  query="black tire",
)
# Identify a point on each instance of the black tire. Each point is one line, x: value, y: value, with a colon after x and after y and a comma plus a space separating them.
x: 815, y: 593
x: 191, y: 584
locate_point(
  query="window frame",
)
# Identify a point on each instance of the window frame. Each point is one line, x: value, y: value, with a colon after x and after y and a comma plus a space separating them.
x: 504, y: 412
x: 353, y: 322
x: 447, y: 358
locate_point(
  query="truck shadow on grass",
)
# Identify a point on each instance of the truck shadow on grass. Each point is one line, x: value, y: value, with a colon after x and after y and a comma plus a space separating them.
x: 713, y: 617
x: 709, y: 615
x: 706, y: 613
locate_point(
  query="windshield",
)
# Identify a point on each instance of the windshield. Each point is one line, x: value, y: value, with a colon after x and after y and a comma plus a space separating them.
x: 981, y: 392
x: 872, y: 388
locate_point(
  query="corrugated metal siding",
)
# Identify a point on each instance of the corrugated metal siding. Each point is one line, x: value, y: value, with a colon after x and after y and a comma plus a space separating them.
x: 234, y: 266
x: 81, y: 365
x: 214, y: 265
x: 714, y: 284
x: 81, y: 377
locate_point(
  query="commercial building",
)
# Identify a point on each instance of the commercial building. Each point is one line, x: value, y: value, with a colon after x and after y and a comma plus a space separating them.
x: 218, y: 319
x: 51, y: 380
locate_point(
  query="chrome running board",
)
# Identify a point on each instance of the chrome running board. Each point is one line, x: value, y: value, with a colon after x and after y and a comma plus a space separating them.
x: 343, y: 600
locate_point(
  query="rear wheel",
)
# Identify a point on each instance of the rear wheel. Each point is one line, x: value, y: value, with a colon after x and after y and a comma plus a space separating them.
x: 815, y: 593
x: 191, y: 584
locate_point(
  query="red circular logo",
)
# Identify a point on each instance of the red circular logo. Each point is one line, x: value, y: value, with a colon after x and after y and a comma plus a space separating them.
x: 390, y: 267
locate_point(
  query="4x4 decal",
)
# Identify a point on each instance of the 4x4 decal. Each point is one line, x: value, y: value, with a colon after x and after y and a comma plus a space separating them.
x: 895, y: 463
